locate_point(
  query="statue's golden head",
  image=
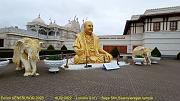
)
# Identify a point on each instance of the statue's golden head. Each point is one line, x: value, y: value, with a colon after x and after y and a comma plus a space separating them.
x: 88, y: 27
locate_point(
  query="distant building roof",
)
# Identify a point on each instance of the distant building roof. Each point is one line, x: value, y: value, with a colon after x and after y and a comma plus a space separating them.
x: 162, y: 10
x: 135, y: 17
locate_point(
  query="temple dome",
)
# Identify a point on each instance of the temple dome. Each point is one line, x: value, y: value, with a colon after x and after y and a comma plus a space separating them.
x: 53, y: 24
x: 38, y: 20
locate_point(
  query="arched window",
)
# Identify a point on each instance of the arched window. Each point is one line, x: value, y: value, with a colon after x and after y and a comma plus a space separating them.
x: 42, y: 31
x: 51, y: 33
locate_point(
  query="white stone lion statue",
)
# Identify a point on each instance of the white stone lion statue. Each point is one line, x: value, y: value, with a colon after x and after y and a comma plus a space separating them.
x: 144, y: 52
x: 26, y: 51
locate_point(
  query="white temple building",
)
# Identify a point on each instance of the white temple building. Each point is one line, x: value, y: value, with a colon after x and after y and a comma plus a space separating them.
x: 50, y: 34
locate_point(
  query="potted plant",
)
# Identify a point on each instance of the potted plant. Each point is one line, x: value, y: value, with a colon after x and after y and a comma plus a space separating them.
x: 54, y: 62
x: 138, y: 59
x: 155, y: 55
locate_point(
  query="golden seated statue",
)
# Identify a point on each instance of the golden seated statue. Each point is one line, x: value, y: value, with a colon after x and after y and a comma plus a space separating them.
x: 87, y: 49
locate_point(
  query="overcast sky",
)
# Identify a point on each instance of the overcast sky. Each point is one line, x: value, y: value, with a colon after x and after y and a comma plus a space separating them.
x: 108, y: 16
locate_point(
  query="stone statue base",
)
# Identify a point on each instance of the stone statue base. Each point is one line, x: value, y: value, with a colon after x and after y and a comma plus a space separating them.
x: 72, y: 66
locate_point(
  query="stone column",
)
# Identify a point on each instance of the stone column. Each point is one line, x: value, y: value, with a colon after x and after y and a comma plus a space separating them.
x: 55, y: 30
x: 37, y: 30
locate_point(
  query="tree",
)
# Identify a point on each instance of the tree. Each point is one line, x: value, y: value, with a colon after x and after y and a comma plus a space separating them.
x: 178, y: 56
x: 115, y: 52
x: 50, y: 47
x: 63, y: 47
x: 155, y: 52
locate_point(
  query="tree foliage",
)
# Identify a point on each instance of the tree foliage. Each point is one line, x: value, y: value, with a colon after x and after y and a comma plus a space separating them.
x: 155, y: 52
x: 115, y: 52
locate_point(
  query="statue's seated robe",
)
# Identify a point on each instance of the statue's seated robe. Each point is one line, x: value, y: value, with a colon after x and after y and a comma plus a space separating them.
x: 88, y: 50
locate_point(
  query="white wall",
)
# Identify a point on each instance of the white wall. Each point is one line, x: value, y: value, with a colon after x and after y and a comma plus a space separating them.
x: 134, y: 40
x: 167, y: 42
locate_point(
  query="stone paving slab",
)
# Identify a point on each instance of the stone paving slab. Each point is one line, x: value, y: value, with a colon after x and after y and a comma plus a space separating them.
x: 158, y: 82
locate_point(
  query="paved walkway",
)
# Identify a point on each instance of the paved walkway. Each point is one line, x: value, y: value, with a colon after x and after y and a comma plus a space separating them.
x: 159, y: 82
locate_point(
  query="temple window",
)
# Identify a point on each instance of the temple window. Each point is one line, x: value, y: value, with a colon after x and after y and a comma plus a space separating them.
x: 173, y: 25
x: 156, y: 26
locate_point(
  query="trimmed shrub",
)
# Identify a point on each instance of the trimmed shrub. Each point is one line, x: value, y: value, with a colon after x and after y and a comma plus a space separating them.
x: 50, y: 47
x: 115, y: 52
x: 63, y: 47
x: 6, y: 53
x: 54, y: 52
x: 178, y: 56
x: 155, y: 52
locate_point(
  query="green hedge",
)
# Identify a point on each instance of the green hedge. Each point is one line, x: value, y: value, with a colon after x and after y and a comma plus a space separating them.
x: 54, y: 57
x: 8, y: 53
x: 53, y: 52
